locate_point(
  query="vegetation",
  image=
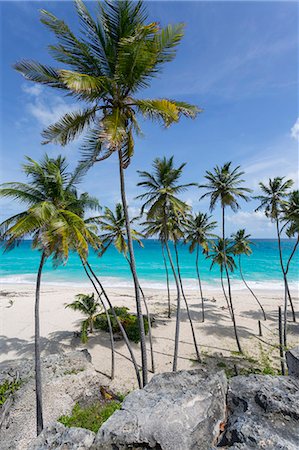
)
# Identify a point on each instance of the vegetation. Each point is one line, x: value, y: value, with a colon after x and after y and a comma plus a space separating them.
x: 7, y: 388
x: 274, y: 202
x: 90, y: 307
x: 242, y: 246
x: 105, y: 68
x: 129, y: 322
x: 91, y: 417
x: 99, y: 72
x: 164, y: 211
x: 199, y: 229
x: 224, y: 185
x: 53, y: 222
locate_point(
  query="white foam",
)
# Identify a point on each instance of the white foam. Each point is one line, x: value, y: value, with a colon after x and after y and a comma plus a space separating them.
x: 190, y: 284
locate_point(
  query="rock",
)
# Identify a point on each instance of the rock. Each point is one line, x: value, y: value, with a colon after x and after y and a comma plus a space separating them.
x: 66, y: 379
x: 180, y: 411
x: 292, y: 357
x: 59, y: 437
x: 263, y: 413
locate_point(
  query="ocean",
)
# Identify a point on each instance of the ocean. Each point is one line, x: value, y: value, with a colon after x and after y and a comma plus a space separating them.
x: 261, y: 269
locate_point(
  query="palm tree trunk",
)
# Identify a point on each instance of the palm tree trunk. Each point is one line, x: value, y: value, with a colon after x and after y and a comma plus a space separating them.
x: 286, y: 272
x: 228, y: 283
x: 186, y: 303
x: 167, y: 281
x: 250, y: 290
x: 232, y: 311
x: 200, y: 287
x: 133, y: 270
x: 108, y: 321
x: 123, y: 331
x: 224, y: 292
x: 150, y: 336
x: 38, y: 376
x: 285, y: 309
x: 178, y: 312
x: 149, y: 323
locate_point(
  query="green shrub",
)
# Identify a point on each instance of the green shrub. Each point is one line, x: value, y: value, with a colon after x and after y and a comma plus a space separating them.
x: 129, y: 322
x: 7, y: 388
x: 90, y: 417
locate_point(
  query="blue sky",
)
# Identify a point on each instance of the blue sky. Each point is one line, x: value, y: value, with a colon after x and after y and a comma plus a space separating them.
x: 238, y: 61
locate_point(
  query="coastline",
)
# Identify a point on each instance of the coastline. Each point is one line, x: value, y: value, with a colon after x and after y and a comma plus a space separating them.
x: 215, y: 336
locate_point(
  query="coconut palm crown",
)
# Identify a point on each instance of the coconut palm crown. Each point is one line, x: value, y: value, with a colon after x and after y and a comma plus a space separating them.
x: 224, y: 185
x: 117, y: 54
x: 199, y: 231
x: 113, y: 225
x: 273, y: 196
x: 242, y: 243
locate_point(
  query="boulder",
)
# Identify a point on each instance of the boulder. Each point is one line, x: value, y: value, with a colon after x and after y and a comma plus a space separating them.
x: 292, y: 357
x: 180, y: 411
x: 66, y: 379
x: 263, y: 413
x: 59, y: 437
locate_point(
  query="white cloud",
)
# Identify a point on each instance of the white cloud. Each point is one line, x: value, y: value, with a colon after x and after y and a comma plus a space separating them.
x: 45, y: 107
x: 295, y: 130
x: 256, y: 223
x: 33, y: 89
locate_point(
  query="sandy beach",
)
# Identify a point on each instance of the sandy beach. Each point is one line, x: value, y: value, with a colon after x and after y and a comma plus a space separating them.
x: 215, y: 336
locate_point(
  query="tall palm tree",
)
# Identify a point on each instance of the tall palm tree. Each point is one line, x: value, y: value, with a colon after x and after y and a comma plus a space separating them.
x: 90, y: 307
x: 224, y: 185
x: 199, y: 229
x: 177, y: 227
x: 114, y: 226
x: 221, y: 253
x: 272, y: 199
x: 116, y: 55
x: 242, y: 246
x: 51, y: 222
x: 163, y: 206
x: 155, y: 227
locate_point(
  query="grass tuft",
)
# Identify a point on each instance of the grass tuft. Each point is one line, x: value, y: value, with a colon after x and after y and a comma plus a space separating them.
x: 90, y: 417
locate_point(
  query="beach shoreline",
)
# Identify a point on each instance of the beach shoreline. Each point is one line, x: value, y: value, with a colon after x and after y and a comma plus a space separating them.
x: 215, y: 336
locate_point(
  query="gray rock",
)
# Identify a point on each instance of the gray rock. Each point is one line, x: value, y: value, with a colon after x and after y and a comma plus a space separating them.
x: 263, y: 413
x: 59, y: 437
x: 292, y: 357
x: 66, y: 379
x: 180, y: 411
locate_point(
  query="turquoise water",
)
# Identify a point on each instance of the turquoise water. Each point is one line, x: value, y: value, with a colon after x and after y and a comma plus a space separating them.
x: 262, y: 268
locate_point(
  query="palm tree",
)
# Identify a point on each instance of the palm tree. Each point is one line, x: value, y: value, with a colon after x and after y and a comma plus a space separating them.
x: 51, y: 222
x: 114, y: 226
x: 163, y: 207
x: 242, y: 246
x: 90, y: 307
x: 117, y: 55
x: 198, y: 234
x: 271, y: 201
x: 221, y: 253
x: 177, y: 227
x: 224, y: 185
x: 156, y: 227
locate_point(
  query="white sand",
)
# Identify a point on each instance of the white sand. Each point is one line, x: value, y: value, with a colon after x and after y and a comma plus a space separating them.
x: 215, y: 335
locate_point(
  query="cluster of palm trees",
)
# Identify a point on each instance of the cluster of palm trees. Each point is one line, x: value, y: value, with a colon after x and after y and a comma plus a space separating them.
x: 114, y: 57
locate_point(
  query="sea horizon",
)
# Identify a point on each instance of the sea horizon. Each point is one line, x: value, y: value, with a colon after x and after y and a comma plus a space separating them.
x: 261, y: 269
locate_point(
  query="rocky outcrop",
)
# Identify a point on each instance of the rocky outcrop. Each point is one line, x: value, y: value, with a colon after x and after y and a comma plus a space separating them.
x: 66, y: 377
x: 179, y: 411
x: 292, y: 358
x: 263, y: 413
x: 186, y: 410
x: 58, y: 437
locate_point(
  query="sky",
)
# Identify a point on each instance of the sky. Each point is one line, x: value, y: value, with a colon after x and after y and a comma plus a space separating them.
x: 238, y: 61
